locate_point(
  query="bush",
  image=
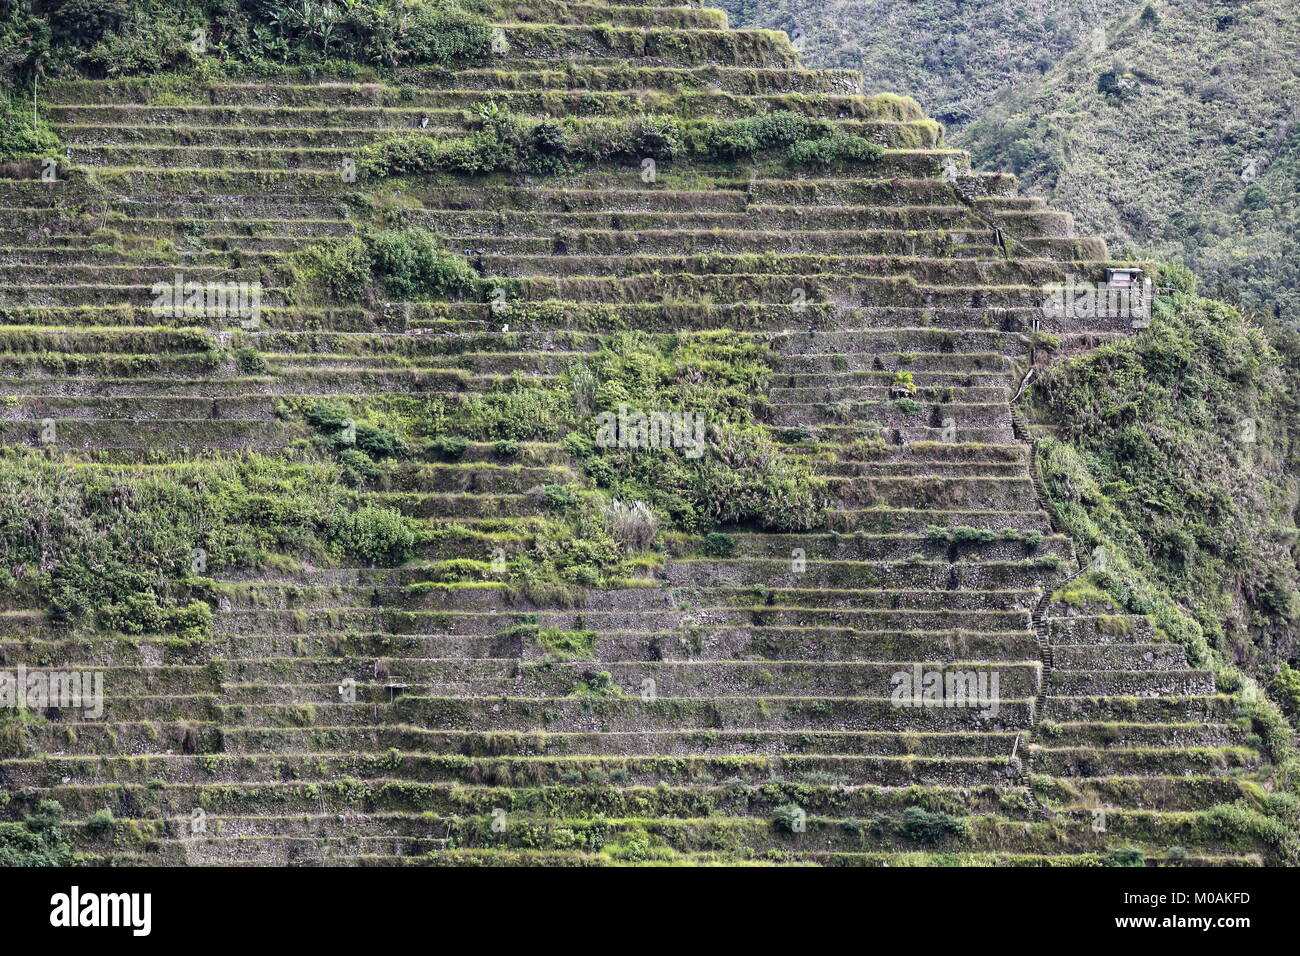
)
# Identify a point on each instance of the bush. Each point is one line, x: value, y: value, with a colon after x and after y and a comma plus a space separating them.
x: 791, y: 818
x: 379, y: 442
x: 250, y: 361
x: 450, y: 447
x: 123, y: 37
x: 37, y: 841
x: 404, y: 263
x: 740, y: 138
x: 376, y: 535
x: 718, y: 545
x: 1125, y: 856
x: 833, y: 150
x: 328, y: 416
x: 340, y: 268
x: 22, y: 136
x: 358, y: 467
x: 507, y: 143
x: 409, y: 263
x: 925, y: 826
x: 1285, y: 686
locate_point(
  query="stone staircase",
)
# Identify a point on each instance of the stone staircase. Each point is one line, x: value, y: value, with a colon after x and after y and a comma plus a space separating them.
x: 369, y: 716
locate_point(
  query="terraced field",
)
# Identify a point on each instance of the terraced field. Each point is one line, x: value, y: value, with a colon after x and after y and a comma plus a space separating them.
x: 735, y: 708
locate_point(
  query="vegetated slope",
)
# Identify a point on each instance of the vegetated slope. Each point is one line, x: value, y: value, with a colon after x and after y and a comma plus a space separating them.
x: 388, y: 570
x: 1167, y: 127
x: 1179, y: 141
x: 1187, y: 431
x: 954, y: 56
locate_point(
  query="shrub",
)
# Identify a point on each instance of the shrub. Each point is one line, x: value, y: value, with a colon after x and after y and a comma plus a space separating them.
x: 409, y: 263
x: 1125, y: 856
x: 23, y: 136
x: 925, y: 826
x: 100, y: 822
x: 557, y: 497
x: 379, y: 442
x: 1285, y: 686
x: 328, y: 416
x: 739, y: 138
x: 250, y: 361
x: 358, y: 467
x: 37, y: 841
x: 715, y: 544
x: 404, y: 263
x: 450, y: 447
x: 340, y: 268
x: 376, y: 535
x: 597, y: 684
x: 831, y: 150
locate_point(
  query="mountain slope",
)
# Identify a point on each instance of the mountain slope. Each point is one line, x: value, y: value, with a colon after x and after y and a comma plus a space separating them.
x: 588, y: 442
x: 954, y: 56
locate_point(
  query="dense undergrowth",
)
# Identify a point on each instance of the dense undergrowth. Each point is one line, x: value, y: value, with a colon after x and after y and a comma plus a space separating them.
x: 1174, y: 464
x: 506, y: 143
x: 136, y: 37
x: 129, y: 550
x: 717, y: 469
x: 38, y: 840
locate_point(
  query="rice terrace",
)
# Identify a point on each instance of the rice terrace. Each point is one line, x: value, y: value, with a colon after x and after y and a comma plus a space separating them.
x: 461, y: 433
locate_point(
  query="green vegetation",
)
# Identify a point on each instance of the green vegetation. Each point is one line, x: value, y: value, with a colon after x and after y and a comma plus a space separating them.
x: 125, y: 38
x: 1171, y: 455
x: 24, y: 135
x: 1174, y: 138
x: 568, y: 645
x: 37, y: 841
x: 739, y: 476
x: 954, y: 57
x: 406, y: 264
x: 505, y: 143
x: 126, y: 550
x: 1165, y: 127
